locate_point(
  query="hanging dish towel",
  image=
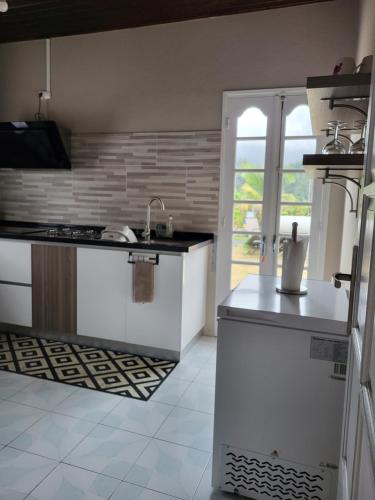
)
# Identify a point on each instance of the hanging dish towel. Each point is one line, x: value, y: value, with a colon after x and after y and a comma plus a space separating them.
x: 143, y: 282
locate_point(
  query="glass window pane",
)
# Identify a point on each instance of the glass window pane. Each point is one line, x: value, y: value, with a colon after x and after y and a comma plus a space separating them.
x: 249, y: 186
x: 240, y: 271
x: 294, y: 149
x: 296, y: 187
x: 252, y: 123
x: 247, y: 217
x: 295, y: 213
x: 298, y: 122
x: 246, y: 247
x: 250, y: 154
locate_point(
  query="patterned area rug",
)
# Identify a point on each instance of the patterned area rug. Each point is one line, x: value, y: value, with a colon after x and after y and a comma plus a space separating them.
x: 102, y: 370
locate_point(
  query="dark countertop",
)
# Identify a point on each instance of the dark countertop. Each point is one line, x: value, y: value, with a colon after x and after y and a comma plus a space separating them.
x: 182, y: 242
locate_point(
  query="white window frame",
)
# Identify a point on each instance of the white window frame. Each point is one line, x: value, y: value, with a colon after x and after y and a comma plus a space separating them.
x: 320, y: 203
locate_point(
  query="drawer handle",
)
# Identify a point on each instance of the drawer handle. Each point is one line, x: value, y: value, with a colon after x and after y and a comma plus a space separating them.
x: 152, y: 259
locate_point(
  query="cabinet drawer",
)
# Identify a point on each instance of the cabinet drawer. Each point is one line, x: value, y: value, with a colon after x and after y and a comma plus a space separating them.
x: 15, y: 304
x: 15, y: 261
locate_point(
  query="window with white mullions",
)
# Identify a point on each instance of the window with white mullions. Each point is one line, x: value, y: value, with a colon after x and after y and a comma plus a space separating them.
x: 263, y: 185
x: 296, y: 189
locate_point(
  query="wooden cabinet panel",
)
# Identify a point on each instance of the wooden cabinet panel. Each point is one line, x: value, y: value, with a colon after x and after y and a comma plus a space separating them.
x: 54, y: 290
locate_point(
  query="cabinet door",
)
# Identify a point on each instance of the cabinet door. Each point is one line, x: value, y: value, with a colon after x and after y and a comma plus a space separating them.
x: 15, y: 261
x: 15, y: 304
x: 364, y: 478
x: 158, y: 324
x: 102, y: 284
x: 54, y: 288
x: 350, y: 425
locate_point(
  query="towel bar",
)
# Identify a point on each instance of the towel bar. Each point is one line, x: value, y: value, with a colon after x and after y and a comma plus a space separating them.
x: 153, y: 259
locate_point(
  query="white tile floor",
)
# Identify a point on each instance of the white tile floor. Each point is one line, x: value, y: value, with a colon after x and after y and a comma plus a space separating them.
x: 60, y: 442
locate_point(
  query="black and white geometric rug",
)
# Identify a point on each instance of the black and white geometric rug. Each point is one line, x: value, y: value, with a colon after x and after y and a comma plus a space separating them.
x: 115, y: 372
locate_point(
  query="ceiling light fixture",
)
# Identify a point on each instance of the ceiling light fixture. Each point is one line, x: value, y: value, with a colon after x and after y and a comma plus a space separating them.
x: 3, y: 6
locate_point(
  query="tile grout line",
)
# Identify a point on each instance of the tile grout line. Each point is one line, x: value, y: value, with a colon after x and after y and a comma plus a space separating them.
x: 201, y: 480
x: 25, y: 430
x: 40, y: 482
x: 151, y: 489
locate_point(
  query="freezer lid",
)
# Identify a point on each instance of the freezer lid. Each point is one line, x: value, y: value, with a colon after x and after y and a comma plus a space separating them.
x: 323, y: 309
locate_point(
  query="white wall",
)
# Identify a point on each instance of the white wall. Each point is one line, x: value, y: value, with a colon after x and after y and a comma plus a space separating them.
x: 171, y: 77
x: 366, y: 29
x: 365, y: 47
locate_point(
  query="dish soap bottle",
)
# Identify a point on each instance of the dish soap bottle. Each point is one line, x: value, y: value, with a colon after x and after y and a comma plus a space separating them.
x: 169, y: 229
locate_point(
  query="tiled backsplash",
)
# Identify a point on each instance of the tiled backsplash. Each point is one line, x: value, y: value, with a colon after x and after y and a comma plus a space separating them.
x: 113, y: 177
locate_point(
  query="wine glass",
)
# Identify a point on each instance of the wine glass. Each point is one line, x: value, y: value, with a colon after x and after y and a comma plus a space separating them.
x: 335, y: 147
x: 358, y: 148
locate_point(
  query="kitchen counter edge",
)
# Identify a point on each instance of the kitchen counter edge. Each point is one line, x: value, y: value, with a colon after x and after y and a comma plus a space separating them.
x: 175, y: 246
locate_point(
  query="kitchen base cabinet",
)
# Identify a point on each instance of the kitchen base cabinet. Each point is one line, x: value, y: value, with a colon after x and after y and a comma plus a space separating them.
x: 158, y: 323
x: 194, y: 295
x: 54, y: 288
x: 178, y: 312
x: 15, y: 283
x: 15, y: 304
x: 102, y: 277
x: 64, y: 288
x: 105, y: 307
x: 15, y: 261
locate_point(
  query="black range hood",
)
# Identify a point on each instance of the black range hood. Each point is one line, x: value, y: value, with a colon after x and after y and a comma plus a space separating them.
x: 34, y: 145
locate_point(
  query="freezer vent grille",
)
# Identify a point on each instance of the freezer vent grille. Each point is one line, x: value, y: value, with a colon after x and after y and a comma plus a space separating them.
x: 261, y: 478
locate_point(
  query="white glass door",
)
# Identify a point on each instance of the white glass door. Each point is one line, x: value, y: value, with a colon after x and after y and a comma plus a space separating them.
x: 263, y: 185
x: 251, y: 212
x: 295, y: 189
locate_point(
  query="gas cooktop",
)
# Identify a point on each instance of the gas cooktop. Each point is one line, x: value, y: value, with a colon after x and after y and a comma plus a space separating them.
x: 70, y: 233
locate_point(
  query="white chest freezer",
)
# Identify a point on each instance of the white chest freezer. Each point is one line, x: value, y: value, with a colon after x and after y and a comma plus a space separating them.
x: 280, y: 391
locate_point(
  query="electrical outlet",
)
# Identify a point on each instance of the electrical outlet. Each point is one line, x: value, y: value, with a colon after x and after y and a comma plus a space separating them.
x: 45, y: 95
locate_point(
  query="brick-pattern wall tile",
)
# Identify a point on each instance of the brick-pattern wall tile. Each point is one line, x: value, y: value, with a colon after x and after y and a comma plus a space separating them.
x: 113, y: 177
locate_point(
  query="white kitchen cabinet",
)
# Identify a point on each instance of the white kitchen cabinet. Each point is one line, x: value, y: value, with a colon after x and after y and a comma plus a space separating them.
x: 158, y: 324
x: 15, y: 304
x: 105, y: 307
x: 178, y: 311
x: 194, y: 294
x: 15, y: 283
x: 102, y: 285
x: 15, y: 261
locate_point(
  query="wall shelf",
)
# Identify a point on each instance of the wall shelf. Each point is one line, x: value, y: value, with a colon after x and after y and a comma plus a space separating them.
x: 322, y: 166
x: 326, y: 95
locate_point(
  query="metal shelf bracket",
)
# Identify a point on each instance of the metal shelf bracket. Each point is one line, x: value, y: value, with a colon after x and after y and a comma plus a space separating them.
x: 328, y: 175
x: 327, y: 180
x: 332, y: 103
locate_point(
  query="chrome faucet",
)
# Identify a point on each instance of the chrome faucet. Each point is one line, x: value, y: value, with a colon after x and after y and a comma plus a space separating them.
x: 147, y: 232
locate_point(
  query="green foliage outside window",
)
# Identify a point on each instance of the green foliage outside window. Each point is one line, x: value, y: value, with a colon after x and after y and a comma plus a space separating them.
x: 249, y: 187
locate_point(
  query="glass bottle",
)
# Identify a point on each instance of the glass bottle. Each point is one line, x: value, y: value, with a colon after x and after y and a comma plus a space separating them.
x: 169, y: 230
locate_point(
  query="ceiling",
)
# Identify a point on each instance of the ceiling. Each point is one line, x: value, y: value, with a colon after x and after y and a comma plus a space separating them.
x: 35, y: 19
